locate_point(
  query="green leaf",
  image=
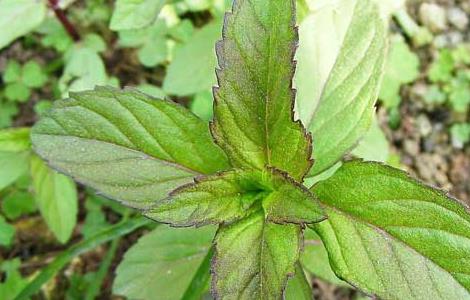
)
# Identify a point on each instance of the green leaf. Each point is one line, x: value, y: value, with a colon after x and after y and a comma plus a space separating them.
x: 7, y: 233
x: 393, y: 236
x: 183, y: 31
x: 201, y: 279
x: 459, y: 92
x: 460, y: 133
x: 253, y: 258
x: 152, y: 43
x: 94, y: 42
x: 202, y: 105
x: 298, y: 287
x: 56, y: 198
x: 168, y: 257
x: 84, y: 69
x: 460, y: 99
x: 33, y: 75
x: 152, y: 90
x: 19, y: 17
x: 18, y: 203
x: 17, y: 91
x: 461, y: 54
x: 314, y: 259
x: 14, y: 165
x: 153, y: 53
x: 192, y: 68
x: 340, y: 65
x: 7, y: 113
x: 12, y: 72
x: 253, y: 117
x: 402, y: 67
x: 134, y: 14
x: 55, y: 35
x: 434, y: 95
x: 442, y: 67
x: 233, y: 195
x: 42, y: 106
x: 13, y: 283
x: 14, y: 155
x: 15, y: 140
x: 102, y: 137
x: 374, y: 146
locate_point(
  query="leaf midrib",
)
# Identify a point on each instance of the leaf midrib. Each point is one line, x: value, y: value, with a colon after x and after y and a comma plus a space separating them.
x: 268, y: 94
x: 172, y: 163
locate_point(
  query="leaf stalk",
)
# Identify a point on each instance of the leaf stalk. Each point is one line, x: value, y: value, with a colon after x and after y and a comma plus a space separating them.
x: 62, y: 17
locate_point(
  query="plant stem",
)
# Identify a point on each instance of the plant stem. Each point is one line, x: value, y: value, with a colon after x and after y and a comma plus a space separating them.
x: 60, y: 14
x: 93, y: 290
x: 419, y: 35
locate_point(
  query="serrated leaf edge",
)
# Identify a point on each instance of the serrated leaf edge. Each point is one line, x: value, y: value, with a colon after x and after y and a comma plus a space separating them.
x: 218, y: 50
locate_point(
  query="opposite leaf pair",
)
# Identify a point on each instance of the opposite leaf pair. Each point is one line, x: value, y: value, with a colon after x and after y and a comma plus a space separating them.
x: 146, y: 153
x: 108, y: 143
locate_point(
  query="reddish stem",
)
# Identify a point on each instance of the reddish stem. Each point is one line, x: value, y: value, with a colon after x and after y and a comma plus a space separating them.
x: 60, y: 14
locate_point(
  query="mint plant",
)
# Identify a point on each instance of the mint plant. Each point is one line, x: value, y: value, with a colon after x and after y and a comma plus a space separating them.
x: 384, y: 232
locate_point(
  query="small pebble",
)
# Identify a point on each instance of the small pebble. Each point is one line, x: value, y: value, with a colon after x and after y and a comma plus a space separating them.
x: 465, y: 5
x: 424, y: 125
x: 433, y: 17
x: 441, y: 41
x: 429, y: 145
x: 433, y: 168
x: 418, y: 90
x: 458, y: 18
x: 411, y: 147
x: 455, y: 38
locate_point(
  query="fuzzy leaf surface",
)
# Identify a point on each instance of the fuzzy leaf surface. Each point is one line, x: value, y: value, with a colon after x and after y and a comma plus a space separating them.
x: 163, y: 263
x: 232, y: 195
x: 129, y: 146
x: 253, y: 258
x: 340, y: 66
x: 393, y: 236
x: 253, y: 103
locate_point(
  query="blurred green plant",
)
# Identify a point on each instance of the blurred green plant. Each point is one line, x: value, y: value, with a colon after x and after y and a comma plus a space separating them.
x: 21, y: 79
x: 402, y: 68
x: 20, y: 17
x: 54, y: 194
x: 460, y: 134
x: 13, y: 282
x: 450, y: 76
